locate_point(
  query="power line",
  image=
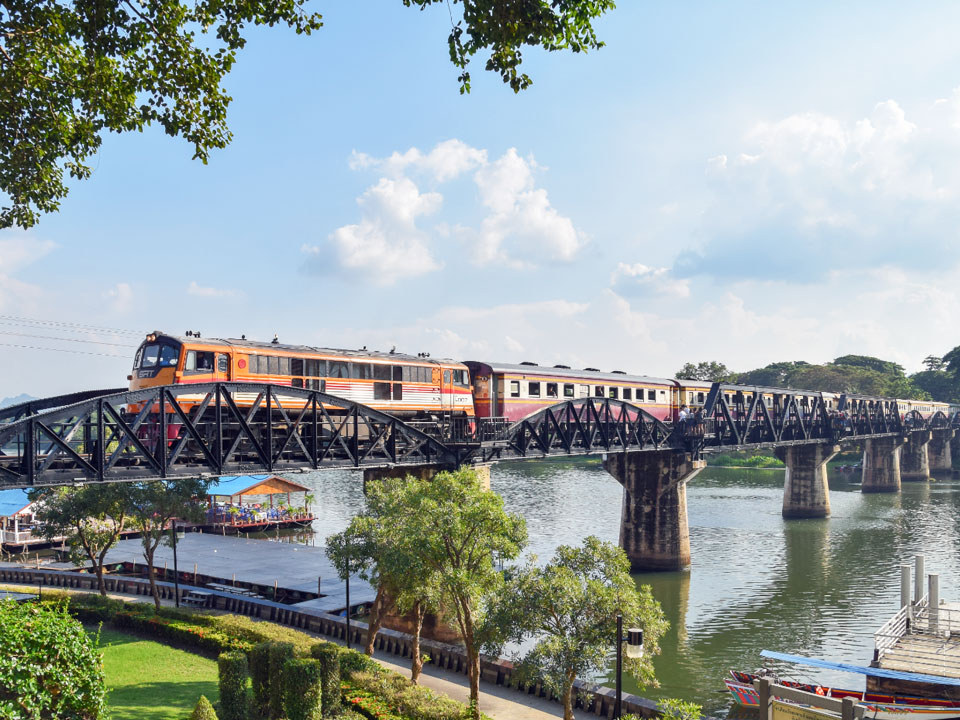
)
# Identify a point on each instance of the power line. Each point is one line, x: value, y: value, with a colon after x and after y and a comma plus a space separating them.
x: 53, y: 337
x: 16, y: 320
x: 66, y: 350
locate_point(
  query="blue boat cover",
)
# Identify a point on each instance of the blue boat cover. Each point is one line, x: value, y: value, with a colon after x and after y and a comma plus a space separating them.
x: 859, y: 669
x: 12, y: 502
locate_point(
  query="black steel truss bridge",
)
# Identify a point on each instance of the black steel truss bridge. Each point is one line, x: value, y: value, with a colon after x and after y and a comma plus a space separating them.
x: 216, y: 429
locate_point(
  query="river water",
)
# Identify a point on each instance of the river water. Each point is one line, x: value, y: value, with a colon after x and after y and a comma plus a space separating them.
x: 809, y: 587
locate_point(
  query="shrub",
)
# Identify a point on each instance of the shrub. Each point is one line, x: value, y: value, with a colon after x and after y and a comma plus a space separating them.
x: 279, y: 654
x: 404, y: 700
x: 302, y: 689
x: 49, y: 666
x: 252, y: 631
x: 352, y: 661
x: 676, y: 709
x: 232, y: 670
x: 259, y: 658
x: 328, y: 655
x: 204, y: 710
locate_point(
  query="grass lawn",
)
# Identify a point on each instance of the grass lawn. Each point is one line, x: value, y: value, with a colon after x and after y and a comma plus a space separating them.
x: 150, y: 681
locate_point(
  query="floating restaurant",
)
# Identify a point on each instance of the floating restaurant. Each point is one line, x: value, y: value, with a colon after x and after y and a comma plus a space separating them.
x: 252, y: 503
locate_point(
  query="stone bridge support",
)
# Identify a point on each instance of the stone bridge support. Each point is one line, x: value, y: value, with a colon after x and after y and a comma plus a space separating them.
x: 805, y: 490
x: 653, y: 523
x: 941, y: 453
x: 881, y: 464
x: 915, y: 458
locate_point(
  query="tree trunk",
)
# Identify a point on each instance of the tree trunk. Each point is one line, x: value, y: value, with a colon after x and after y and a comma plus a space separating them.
x: 148, y: 555
x: 376, y: 621
x: 568, y: 697
x: 416, y: 664
x: 473, y: 661
x: 98, y: 568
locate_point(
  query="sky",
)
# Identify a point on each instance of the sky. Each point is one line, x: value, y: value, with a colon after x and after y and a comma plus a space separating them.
x: 743, y: 182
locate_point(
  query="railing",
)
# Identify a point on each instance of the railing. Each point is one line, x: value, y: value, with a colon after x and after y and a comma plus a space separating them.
x: 9, y: 537
x: 891, y: 632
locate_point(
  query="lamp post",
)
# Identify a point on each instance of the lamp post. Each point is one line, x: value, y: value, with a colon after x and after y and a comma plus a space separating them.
x: 634, y: 642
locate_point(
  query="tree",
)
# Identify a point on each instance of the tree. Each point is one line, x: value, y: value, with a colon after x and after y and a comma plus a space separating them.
x: 152, y: 505
x: 460, y: 529
x: 884, y: 367
x: 708, y: 371
x: 933, y: 363
x: 938, y: 384
x: 776, y: 374
x: 91, y: 518
x: 71, y: 71
x: 568, y: 608
x: 952, y: 360
x: 49, y: 666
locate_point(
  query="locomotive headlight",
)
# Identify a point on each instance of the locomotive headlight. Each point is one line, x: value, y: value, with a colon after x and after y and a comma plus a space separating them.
x: 151, y: 337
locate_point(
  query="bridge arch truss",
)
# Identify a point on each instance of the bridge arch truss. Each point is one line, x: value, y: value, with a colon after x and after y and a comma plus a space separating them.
x: 211, y: 428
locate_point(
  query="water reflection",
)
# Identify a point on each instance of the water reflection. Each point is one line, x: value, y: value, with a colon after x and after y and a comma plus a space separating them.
x: 813, y: 587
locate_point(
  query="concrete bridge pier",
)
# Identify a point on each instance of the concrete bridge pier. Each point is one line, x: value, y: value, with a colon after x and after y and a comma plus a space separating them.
x: 805, y: 490
x: 653, y: 522
x: 941, y: 452
x: 915, y: 457
x: 881, y: 464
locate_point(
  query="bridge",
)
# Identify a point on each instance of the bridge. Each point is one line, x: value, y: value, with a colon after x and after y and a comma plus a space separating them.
x: 215, y: 429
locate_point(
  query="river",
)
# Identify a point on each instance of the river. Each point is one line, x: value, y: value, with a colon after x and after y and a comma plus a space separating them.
x: 810, y: 587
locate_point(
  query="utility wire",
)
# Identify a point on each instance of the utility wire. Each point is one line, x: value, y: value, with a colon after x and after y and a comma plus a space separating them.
x: 16, y: 320
x: 66, y: 339
x: 66, y: 350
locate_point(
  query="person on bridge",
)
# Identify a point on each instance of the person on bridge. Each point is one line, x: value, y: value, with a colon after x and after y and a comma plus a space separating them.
x: 682, y: 418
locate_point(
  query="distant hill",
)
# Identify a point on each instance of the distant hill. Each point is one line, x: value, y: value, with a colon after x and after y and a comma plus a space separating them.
x: 22, y: 398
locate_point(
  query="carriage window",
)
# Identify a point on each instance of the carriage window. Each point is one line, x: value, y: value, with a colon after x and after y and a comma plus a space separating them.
x: 382, y: 372
x: 551, y: 390
x: 316, y: 368
x: 409, y: 374
x: 223, y: 363
x: 297, y: 382
x: 273, y: 365
x: 191, y: 362
x: 533, y: 389
x: 151, y: 354
x: 568, y: 390
x: 614, y: 392
x: 381, y: 391
x: 426, y: 375
x: 700, y: 398
x: 397, y: 391
x: 320, y: 385
x: 361, y: 371
x: 584, y: 391
x: 627, y: 394
x: 398, y: 373
x: 514, y: 388
x: 598, y: 390
x: 296, y: 367
x: 338, y: 369
x: 652, y: 395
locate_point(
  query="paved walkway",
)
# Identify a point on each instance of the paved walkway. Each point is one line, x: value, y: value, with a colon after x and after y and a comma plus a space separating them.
x: 498, y: 702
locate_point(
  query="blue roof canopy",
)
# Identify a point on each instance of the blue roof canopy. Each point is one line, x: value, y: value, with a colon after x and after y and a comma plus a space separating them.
x: 861, y: 670
x: 12, y: 502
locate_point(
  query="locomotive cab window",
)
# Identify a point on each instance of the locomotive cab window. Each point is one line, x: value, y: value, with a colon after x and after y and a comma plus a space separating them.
x: 200, y: 362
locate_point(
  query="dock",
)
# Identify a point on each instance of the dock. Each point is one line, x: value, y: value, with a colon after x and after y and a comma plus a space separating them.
x: 922, y: 637
x: 301, y: 574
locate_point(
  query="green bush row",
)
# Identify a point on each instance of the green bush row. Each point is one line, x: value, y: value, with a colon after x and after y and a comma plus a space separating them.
x: 359, y: 674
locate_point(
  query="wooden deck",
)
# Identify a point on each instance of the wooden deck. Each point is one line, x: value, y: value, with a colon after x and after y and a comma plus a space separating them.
x: 929, y: 650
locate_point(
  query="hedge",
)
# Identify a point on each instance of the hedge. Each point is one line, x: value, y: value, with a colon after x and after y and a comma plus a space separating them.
x: 279, y: 653
x: 328, y: 655
x: 362, y: 678
x: 232, y: 672
x: 259, y: 657
x: 302, y: 689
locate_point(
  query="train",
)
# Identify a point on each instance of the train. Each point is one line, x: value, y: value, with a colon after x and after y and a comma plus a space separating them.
x: 418, y: 387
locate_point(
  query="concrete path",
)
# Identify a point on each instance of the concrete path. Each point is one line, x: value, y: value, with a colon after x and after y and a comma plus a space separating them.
x: 499, y: 703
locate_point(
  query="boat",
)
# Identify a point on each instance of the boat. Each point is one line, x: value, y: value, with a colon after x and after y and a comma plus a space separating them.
x: 877, y: 706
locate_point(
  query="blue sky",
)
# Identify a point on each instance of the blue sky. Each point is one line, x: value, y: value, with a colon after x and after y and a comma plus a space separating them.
x: 739, y: 182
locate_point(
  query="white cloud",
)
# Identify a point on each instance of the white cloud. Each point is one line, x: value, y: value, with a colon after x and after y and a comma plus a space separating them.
x: 386, y: 245
x: 200, y: 291
x: 639, y: 279
x: 18, y: 249
x: 520, y: 227
x: 811, y: 192
x: 119, y: 297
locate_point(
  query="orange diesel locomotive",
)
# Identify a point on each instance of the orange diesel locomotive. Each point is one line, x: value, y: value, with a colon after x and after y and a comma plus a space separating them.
x: 402, y: 385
